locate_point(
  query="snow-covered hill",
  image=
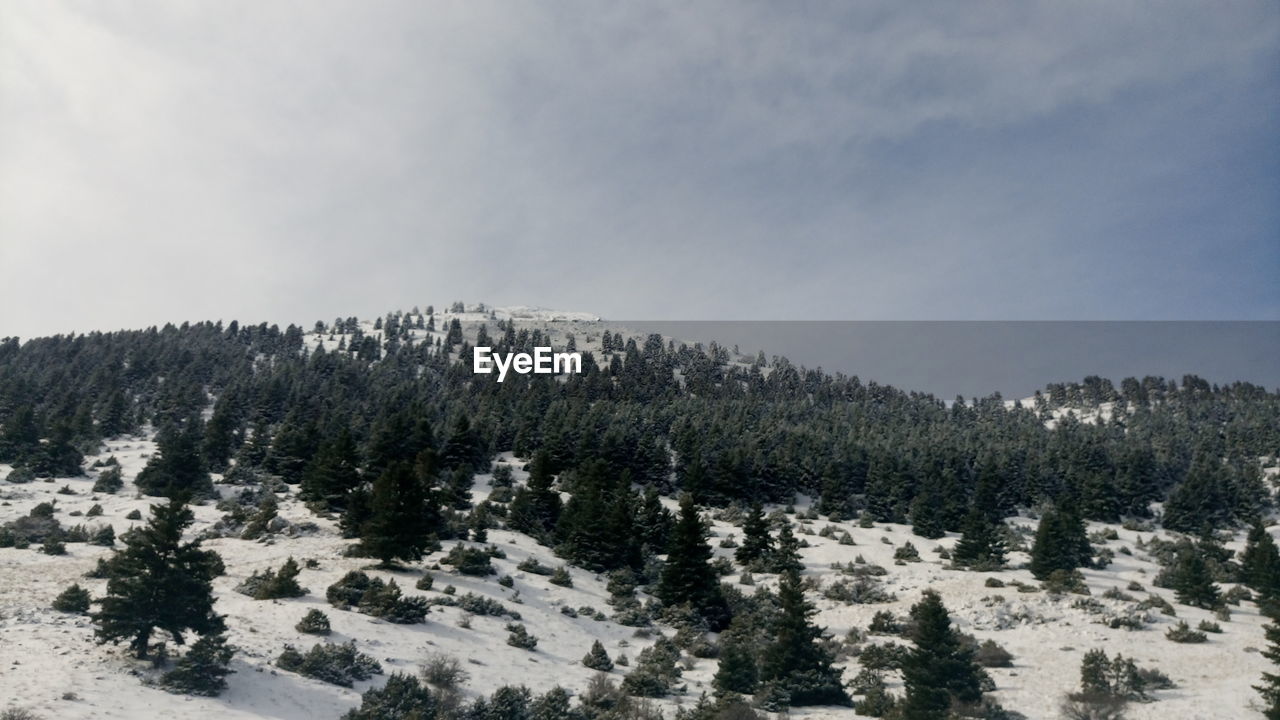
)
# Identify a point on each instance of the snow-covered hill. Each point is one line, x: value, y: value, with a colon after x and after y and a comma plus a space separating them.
x: 50, y: 664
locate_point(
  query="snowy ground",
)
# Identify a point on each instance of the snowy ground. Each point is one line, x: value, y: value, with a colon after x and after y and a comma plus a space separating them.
x: 50, y: 664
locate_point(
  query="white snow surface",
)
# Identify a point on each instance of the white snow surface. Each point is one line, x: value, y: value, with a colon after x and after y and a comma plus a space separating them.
x: 50, y: 663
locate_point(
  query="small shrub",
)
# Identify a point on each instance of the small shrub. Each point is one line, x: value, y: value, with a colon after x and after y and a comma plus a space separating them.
x: 134, y: 514
x: 334, y: 664
x: 203, y: 670
x: 507, y: 581
x: 1209, y: 627
x: 561, y: 577
x: 519, y: 637
x: 273, y: 584
x: 94, y: 511
x: 314, y: 622
x: 443, y: 671
x: 74, y: 599
x: 597, y: 658
x: 53, y: 546
x: 993, y: 582
x: 1182, y: 633
x: 1063, y: 581
x: 531, y: 565
x: 990, y: 654
x: 907, y: 553
x: 21, y: 476
x: 108, y: 480
x: 470, y: 561
x: 424, y: 582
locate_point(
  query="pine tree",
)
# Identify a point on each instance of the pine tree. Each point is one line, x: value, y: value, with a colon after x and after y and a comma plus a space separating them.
x: 687, y: 575
x: 1192, y: 581
x: 939, y: 670
x: 927, y: 511
x: 203, y: 670
x: 404, y: 516
x: 536, y: 507
x: 796, y: 662
x: 597, y: 658
x: 334, y: 472
x: 756, y: 541
x: 1270, y: 687
x: 737, y: 671
x: 158, y: 582
x: 786, y: 557
x: 1061, y: 543
x: 1260, y: 562
x: 179, y: 466
x: 981, y: 543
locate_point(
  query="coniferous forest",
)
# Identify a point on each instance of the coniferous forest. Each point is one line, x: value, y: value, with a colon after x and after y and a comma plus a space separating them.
x: 625, y: 475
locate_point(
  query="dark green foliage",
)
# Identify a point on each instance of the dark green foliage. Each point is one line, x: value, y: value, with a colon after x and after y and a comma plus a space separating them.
x: 314, y: 622
x: 738, y: 671
x: 372, y: 596
x: 404, y: 516
x: 178, y: 467
x: 597, y: 528
x: 1260, y: 562
x: 1182, y: 633
x: 535, y: 509
x: 757, y: 544
x: 1191, y: 580
x: 334, y: 472
x: 940, y: 670
x: 203, y: 669
x: 469, y: 561
x: 74, y: 599
x: 158, y: 582
x: 1061, y: 543
x: 403, y: 697
x: 786, y: 556
x: 656, y: 671
x: 687, y: 575
x: 334, y: 664
x: 104, y: 536
x: 272, y: 584
x: 796, y: 663
x: 981, y: 543
x: 1270, y: 687
x: 519, y: 637
x: 109, y: 480
x: 597, y: 658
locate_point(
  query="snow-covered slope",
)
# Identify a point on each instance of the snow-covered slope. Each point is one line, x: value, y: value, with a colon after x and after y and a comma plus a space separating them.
x: 50, y: 663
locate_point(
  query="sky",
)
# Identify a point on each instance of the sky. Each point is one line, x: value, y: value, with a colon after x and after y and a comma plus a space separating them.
x: 295, y: 161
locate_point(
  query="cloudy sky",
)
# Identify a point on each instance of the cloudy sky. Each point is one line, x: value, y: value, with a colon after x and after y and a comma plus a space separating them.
x: 289, y: 161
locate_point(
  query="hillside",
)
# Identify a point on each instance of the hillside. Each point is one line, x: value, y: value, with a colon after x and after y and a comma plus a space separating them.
x: 856, y: 471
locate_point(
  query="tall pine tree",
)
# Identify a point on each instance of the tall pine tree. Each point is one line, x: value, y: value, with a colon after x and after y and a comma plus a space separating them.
x: 796, y: 663
x: 158, y: 582
x: 687, y: 576
x: 939, y: 671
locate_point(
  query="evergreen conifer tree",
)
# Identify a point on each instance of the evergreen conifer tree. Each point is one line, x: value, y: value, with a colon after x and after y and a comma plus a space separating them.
x: 756, y: 541
x: 1260, y: 562
x: 158, y: 582
x: 939, y: 671
x: 980, y: 541
x: 737, y: 671
x: 403, y: 519
x: 1192, y: 582
x: 1061, y: 543
x: 796, y: 662
x: 1270, y: 687
x: 203, y: 670
x: 687, y: 575
x: 536, y: 507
